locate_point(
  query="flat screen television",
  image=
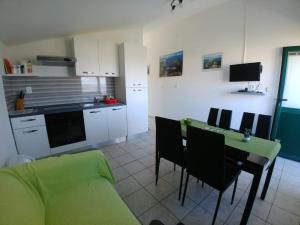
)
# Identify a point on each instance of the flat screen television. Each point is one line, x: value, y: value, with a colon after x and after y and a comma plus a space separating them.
x: 245, y: 72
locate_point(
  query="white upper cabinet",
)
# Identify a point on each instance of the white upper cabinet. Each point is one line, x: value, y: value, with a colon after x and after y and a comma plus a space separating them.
x: 86, y: 53
x: 133, y: 65
x: 96, y: 57
x: 108, y: 59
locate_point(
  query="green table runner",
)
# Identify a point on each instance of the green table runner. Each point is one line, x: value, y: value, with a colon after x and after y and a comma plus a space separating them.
x: 258, y: 146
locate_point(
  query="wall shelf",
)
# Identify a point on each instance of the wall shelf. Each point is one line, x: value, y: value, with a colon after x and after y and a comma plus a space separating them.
x: 249, y: 93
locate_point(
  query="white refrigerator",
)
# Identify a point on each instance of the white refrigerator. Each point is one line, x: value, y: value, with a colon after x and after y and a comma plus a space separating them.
x: 132, y: 86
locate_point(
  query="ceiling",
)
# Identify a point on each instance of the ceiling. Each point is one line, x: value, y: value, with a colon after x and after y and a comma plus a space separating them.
x: 24, y: 21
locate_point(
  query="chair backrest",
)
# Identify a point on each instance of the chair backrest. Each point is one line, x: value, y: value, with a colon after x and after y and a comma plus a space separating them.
x: 212, y: 117
x: 205, y: 156
x: 247, y: 122
x: 169, y: 140
x: 263, y: 126
x: 225, y: 119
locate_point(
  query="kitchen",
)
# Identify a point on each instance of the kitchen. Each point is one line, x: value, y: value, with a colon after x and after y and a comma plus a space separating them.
x: 64, y: 111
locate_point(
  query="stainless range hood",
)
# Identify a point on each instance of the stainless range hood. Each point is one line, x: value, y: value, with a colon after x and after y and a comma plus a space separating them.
x: 55, y: 61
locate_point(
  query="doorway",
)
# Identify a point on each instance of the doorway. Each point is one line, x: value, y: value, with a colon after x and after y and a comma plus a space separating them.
x: 286, y: 125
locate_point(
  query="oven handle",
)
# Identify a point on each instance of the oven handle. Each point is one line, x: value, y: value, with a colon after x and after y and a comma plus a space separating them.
x: 116, y: 109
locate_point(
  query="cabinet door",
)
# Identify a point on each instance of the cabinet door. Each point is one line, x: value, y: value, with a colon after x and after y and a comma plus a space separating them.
x: 86, y: 53
x: 137, y: 110
x: 117, y: 122
x: 108, y: 59
x: 96, y: 126
x: 32, y: 141
x: 135, y: 65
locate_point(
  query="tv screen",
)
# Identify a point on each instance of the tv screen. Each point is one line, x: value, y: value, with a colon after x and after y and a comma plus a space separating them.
x: 245, y: 72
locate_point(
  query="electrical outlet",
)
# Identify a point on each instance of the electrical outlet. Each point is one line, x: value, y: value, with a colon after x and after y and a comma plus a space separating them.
x: 28, y: 90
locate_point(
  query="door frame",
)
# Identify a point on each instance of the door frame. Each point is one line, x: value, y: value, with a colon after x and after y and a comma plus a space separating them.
x: 285, y: 53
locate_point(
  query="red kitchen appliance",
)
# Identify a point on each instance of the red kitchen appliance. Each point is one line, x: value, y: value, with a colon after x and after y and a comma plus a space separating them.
x: 110, y: 101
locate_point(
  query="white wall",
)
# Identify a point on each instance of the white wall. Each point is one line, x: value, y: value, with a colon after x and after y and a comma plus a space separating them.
x: 271, y: 25
x: 7, y: 145
x: 63, y: 47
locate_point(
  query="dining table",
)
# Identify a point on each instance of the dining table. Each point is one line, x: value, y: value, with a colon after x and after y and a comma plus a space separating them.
x: 252, y: 156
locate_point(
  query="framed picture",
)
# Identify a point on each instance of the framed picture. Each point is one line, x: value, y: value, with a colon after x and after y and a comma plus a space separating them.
x: 212, y: 61
x: 171, y: 65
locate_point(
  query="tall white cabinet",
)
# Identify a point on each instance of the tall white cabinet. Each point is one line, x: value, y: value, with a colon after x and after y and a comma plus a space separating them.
x: 132, y: 86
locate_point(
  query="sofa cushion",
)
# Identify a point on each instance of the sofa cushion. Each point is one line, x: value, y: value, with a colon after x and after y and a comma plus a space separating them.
x: 20, y: 203
x: 90, y: 203
x: 58, y: 174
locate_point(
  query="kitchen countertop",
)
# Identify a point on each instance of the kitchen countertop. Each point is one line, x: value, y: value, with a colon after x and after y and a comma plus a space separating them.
x: 52, y: 109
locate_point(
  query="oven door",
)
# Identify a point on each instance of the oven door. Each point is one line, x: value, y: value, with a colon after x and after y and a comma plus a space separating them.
x: 65, y: 128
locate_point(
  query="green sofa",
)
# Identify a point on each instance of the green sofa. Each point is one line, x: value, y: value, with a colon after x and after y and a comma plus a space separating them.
x: 67, y: 190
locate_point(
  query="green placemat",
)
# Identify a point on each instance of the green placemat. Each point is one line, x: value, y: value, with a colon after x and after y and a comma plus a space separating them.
x: 258, y: 146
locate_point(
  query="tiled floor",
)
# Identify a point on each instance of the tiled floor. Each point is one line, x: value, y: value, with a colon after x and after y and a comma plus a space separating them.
x: 133, y: 167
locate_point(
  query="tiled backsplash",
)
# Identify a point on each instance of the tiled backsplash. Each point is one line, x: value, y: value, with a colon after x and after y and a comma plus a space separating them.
x: 56, y: 90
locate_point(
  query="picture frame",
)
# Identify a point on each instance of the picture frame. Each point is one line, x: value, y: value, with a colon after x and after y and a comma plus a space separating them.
x: 171, y: 65
x: 212, y: 61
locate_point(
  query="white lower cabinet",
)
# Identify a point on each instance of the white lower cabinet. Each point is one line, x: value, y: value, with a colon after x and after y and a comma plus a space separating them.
x: 32, y: 141
x: 117, y: 122
x: 96, y: 125
x: 101, y: 125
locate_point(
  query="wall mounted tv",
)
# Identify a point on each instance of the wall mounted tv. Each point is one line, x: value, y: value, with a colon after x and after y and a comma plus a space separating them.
x: 245, y: 72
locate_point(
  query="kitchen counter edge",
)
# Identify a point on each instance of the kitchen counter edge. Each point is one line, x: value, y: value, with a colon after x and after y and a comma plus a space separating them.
x: 82, y: 106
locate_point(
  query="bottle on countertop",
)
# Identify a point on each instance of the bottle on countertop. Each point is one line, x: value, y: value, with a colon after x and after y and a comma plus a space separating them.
x: 29, y: 66
x: 23, y: 66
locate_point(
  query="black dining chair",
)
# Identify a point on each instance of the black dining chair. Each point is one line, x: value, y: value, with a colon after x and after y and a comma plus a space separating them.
x: 169, y: 145
x: 247, y: 122
x: 263, y: 126
x: 212, y: 117
x: 225, y: 119
x: 205, y: 157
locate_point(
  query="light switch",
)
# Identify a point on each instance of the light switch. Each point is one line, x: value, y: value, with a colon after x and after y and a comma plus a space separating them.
x: 28, y: 90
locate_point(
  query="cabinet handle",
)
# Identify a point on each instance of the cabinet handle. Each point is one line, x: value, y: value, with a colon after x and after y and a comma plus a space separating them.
x: 30, y: 131
x: 139, y: 90
x: 87, y: 72
x: 139, y: 84
x: 28, y: 120
x: 113, y: 73
x: 95, y: 111
x: 134, y: 90
x: 106, y: 73
x: 116, y: 109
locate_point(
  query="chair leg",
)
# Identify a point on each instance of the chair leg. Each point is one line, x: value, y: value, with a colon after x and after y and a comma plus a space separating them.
x: 157, y: 169
x: 174, y: 167
x: 185, y: 187
x: 217, y: 208
x: 234, y: 190
x: 181, y: 179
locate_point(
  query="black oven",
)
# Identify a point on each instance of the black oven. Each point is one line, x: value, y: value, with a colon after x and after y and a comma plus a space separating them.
x: 65, y: 128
